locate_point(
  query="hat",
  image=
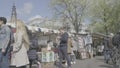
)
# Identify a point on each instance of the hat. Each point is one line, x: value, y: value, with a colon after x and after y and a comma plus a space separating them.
x: 3, y: 19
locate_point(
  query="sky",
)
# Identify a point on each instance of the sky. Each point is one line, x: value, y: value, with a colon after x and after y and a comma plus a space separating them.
x: 26, y: 9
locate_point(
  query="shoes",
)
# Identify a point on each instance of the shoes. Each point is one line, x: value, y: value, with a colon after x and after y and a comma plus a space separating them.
x: 74, y: 62
x: 66, y: 64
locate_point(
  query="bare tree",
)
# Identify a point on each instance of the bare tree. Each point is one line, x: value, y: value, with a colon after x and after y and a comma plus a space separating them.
x: 72, y: 11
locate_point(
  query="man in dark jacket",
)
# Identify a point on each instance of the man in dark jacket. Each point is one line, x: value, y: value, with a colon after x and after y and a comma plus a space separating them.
x: 116, y: 39
x: 63, y: 48
x: 32, y: 53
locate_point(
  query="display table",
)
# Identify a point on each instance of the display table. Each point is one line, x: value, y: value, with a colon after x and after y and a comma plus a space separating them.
x: 47, y: 58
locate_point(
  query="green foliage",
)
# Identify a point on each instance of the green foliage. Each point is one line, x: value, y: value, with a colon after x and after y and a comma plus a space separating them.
x: 105, y: 14
x: 108, y: 13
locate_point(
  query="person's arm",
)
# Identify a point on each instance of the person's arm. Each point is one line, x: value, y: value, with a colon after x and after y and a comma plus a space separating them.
x: 18, y: 43
x: 5, y: 38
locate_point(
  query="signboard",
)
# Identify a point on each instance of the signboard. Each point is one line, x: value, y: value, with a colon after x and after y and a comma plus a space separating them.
x: 48, y: 56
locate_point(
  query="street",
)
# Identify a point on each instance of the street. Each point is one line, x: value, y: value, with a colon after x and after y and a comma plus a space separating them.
x: 96, y: 62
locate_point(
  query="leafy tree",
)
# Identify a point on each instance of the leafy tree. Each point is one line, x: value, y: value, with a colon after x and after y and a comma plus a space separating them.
x: 107, y: 13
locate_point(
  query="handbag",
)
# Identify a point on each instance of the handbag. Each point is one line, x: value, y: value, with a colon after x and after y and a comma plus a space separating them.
x: 38, y: 65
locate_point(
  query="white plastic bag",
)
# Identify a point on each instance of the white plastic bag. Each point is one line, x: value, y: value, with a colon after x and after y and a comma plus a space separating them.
x: 38, y: 65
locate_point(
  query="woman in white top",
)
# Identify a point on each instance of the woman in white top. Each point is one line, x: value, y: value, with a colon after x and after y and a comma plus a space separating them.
x: 20, y: 47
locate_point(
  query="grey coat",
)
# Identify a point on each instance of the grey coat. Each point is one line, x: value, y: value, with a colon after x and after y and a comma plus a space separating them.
x: 4, y: 36
x: 4, y: 41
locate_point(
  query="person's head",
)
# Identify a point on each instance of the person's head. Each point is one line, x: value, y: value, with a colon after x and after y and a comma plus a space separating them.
x: 62, y: 30
x: 3, y: 20
x: 21, y: 28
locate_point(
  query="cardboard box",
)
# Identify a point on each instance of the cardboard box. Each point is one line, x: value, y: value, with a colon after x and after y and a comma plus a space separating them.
x: 48, y: 56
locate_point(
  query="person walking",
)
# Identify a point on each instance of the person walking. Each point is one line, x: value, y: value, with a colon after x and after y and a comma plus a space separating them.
x: 74, y: 51
x: 4, y: 43
x: 69, y: 48
x: 32, y: 53
x: 20, y: 47
x: 63, y: 53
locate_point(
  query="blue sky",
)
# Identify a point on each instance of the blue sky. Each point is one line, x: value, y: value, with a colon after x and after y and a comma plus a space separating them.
x: 26, y: 9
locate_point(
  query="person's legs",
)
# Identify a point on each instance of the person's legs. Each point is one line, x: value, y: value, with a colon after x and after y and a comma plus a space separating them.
x: 60, y: 53
x: 65, y: 54
x: 30, y: 65
x: 0, y: 59
x: 75, y: 53
x: 4, y: 61
x: 72, y: 58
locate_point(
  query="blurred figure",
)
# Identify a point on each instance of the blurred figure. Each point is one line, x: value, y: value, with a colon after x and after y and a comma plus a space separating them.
x: 32, y: 53
x: 74, y: 48
x: 69, y: 47
x: 63, y: 53
x: 4, y: 43
x: 20, y: 47
x: 73, y: 51
x: 106, y: 50
x: 116, y: 49
x: 100, y: 49
x: 116, y: 40
x: 108, y: 47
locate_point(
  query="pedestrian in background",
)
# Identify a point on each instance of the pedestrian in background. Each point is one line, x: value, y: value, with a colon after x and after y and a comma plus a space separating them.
x: 4, y: 43
x: 32, y: 53
x: 20, y: 47
x: 69, y: 45
x: 69, y: 48
x: 63, y: 53
x: 74, y: 51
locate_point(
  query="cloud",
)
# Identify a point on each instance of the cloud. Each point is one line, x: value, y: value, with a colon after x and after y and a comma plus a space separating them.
x: 34, y: 17
x: 26, y: 9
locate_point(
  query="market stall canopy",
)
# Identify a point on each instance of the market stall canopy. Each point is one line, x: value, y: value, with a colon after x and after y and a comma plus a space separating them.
x: 36, y: 29
x: 98, y: 36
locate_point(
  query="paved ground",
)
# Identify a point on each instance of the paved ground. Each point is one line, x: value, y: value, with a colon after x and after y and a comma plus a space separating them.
x: 96, y: 62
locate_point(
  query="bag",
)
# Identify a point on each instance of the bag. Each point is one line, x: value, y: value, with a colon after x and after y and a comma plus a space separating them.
x: 38, y: 65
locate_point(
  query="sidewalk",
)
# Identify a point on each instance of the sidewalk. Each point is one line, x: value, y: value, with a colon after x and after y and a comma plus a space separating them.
x: 96, y: 62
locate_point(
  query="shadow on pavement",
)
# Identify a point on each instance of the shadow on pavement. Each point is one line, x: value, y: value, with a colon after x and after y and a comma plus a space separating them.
x: 102, y: 60
x: 105, y: 66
